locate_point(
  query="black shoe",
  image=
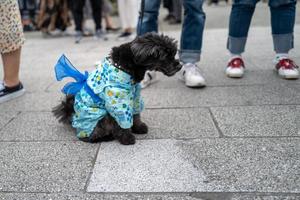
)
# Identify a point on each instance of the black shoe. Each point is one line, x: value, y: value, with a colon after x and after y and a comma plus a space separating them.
x: 174, y: 21
x: 111, y: 29
x: 125, y: 36
x: 8, y: 93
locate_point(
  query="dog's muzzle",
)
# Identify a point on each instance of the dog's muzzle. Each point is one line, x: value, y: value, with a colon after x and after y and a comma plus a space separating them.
x: 172, y: 70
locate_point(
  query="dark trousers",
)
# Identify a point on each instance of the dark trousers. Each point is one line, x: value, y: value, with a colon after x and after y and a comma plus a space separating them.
x: 78, y: 13
x: 28, y: 8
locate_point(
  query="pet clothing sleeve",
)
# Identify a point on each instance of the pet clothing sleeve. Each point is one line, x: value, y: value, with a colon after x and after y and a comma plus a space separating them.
x: 119, y: 104
x: 138, y: 103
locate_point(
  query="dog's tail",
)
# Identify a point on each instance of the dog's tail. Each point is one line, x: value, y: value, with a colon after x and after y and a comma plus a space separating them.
x: 64, y: 111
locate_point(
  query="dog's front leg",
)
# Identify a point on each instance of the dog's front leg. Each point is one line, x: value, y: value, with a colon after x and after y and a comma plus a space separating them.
x: 139, y: 127
x: 124, y: 136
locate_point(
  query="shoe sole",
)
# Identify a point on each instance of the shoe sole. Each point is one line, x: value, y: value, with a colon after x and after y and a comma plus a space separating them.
x: 289, y: 77
x: 192, y: 85
x: 234, y: 75
x: 12, y: 96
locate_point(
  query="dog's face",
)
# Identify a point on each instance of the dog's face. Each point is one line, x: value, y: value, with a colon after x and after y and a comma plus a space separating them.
x: 156, y: 52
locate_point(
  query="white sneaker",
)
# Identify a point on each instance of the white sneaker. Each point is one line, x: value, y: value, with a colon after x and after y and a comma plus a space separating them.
x: 287, y: 69
x: 149, y: 78
x: 191, y: 75
x: 235, y: 68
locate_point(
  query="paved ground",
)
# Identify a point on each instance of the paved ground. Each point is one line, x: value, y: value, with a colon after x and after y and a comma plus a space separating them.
x: 233, y: 140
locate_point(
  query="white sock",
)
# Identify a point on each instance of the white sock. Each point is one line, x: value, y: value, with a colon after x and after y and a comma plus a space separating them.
x: 280, y: 56
x: 232, y: 56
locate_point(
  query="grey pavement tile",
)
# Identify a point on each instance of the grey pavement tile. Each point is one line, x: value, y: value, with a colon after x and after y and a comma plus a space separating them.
x: 258, y: 120
x: 203, y: 165
x: 5, y: 117
x: 45, y: 166
x: 37, y: 101
x: 246, y: 165
x: 218, y: 78
x: 147, y: 166
x: 87, y: 196
x: 36, y: 126
x: 133, y: 196
x: 221, y: 96
x: 178, y: 123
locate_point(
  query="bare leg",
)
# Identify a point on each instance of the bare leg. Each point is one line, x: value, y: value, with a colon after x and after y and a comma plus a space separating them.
x: 11, y: 62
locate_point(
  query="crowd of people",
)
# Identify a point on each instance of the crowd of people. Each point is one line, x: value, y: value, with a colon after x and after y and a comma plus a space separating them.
x: 55, y: 14
x: 52, y: 16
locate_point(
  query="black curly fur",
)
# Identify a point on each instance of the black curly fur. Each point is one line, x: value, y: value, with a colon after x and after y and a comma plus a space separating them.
x: 148, y: 52
x: 64, y: 111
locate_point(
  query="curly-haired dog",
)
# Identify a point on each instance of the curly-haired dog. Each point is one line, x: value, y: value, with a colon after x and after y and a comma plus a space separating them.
x: 106, y: 104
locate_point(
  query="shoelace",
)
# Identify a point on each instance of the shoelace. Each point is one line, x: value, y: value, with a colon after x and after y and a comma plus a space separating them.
x: 236, y: 63
x: 193, y: 70
x: 286, y: 63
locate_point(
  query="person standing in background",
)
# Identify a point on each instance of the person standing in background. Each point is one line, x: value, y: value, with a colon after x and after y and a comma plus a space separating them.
x: 106, y: 13
x: 77, y: 9
x: 28, y: 10
x: 128, y: 12
x: 283, y: 14
x: 190, y: 44
x: 11, y: 41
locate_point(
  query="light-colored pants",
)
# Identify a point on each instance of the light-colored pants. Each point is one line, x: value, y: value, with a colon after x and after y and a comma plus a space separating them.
x: 128, y: 12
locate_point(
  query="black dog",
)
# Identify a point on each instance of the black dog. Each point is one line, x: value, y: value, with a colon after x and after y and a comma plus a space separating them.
x: 148, y: 52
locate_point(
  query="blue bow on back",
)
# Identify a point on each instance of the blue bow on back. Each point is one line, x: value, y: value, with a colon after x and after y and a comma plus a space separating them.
x: 64, y: 68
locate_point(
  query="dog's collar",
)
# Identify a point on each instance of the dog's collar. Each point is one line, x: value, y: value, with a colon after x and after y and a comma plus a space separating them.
x: 110, y: 60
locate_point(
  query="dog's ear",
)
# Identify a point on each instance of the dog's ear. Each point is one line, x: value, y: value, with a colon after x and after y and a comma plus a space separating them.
x: 153, y: 46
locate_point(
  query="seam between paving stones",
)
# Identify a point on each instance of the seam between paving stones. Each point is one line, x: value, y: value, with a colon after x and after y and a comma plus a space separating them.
x: 190, y: 107
x: 192, y: 194
x: 91, y: 169
x: 208, y: 86
x: 221, y: 135
x: 12, y: 119
x: 156, y: 139
x: 221, y: 106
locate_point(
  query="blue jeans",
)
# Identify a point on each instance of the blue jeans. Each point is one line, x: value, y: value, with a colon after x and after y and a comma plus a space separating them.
x: 282, y: 21
x: 192, y: 30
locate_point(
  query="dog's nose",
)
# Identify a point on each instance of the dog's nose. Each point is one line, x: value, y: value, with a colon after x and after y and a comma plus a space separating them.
x: 178, y: 67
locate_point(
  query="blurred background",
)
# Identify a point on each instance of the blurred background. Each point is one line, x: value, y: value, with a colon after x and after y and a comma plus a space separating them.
x: 217, y: 13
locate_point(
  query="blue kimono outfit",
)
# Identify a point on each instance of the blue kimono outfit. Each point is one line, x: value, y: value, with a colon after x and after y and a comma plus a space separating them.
x: 105, y: 90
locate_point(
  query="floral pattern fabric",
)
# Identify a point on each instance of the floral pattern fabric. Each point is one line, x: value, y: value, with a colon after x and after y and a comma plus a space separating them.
x: 119, y: 96
x: 11, y: 31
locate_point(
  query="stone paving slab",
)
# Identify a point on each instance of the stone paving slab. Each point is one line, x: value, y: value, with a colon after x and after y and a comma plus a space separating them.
x: 134, y: 196
x: 42, y: 126
x: 255, y: 121
x: 37, y: 101
x: 221, y: 96
x: 206, y: 165
x: 36, y: 126
x: 219, y: 79
x: 5, y: 117
x: 46, y: 166
x: 178, y: 124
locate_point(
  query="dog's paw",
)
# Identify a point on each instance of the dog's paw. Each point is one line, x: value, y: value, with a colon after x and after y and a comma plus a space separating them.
x: 141, y: 128
x: 127, y: 139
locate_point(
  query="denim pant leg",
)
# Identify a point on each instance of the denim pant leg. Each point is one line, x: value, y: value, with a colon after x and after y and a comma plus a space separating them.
x: 150, y: 21
x: 192, y: 31
x: 283, y: 20
x: 239, y: 23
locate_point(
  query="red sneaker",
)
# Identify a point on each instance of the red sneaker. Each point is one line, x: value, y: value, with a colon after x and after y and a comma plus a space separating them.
x: 287, y: 69
x: 235, y: 68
